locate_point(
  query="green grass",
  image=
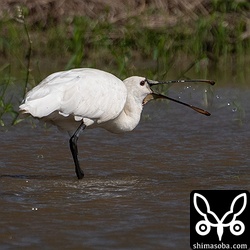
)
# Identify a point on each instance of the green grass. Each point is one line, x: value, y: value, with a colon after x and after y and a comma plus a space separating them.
x: 6, y: 97
x: 209, y: 47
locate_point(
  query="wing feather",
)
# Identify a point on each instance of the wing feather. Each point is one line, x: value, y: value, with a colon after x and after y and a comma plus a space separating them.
x: 86, y: 93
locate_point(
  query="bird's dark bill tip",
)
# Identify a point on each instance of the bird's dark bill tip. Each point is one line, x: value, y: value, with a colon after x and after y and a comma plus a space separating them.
x: 201, y: 111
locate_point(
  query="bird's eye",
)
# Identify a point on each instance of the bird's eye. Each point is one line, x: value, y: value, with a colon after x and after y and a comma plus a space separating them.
x: 142, y: 83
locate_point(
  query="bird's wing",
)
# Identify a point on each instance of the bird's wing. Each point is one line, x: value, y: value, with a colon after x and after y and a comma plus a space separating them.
x: 45, y: 98
x: 96, y: 95
x: 84, y: 93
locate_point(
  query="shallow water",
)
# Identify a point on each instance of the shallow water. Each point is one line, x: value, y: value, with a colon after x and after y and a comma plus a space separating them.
x: 135, y: 194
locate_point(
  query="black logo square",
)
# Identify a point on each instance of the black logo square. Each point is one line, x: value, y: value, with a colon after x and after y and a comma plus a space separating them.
x: 220, y: 219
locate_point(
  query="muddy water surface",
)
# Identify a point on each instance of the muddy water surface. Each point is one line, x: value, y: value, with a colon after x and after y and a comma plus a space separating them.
x: 136, y: 191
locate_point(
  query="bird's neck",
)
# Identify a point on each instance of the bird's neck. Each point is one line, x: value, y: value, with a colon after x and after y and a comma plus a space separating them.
x: 128, y: 118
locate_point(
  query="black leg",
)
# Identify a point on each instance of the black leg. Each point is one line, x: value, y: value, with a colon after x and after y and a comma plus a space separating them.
x: 74, y: 151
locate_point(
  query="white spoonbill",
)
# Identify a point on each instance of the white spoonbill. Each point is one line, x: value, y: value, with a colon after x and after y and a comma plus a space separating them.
x: 87, y: 98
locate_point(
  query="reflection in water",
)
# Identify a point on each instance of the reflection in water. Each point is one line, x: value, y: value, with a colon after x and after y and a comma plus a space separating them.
x: 137, y: 186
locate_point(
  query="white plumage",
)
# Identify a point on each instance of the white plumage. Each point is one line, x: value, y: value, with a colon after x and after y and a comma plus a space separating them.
x: 69, y: 97
x: 87, y: 98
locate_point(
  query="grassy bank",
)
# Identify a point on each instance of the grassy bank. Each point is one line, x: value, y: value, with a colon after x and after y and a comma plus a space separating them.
x: 159, y: 41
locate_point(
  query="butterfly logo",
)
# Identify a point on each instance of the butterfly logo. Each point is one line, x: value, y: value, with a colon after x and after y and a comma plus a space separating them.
x: 203, y: 227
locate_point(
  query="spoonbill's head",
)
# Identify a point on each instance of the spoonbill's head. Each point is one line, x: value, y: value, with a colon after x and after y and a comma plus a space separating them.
x: 140, y: 89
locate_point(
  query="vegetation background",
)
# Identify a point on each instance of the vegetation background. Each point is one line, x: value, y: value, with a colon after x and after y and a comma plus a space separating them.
x: 160, y: 39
